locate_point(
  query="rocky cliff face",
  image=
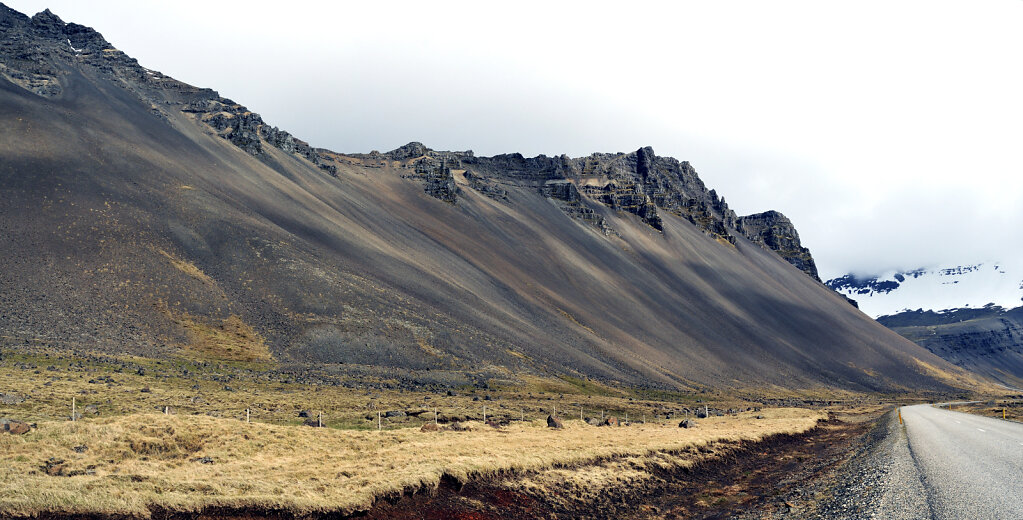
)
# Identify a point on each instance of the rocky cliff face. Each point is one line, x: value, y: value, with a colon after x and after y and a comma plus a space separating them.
x: 776, y: 232
x: 640, y: 183
x: 986, y: 340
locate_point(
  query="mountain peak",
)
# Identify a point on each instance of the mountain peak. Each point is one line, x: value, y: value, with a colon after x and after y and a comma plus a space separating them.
x: 48, y: 23
x: 411, y: 150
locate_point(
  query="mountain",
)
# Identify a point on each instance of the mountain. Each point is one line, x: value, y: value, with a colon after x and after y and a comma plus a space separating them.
x: 949, y: 287
x: 143, y: 215
x: 986, y: 340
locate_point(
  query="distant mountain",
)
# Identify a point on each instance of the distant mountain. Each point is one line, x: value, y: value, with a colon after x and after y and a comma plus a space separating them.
x: 143, y: 215
x: 952, y: 287
x: 986, y: 340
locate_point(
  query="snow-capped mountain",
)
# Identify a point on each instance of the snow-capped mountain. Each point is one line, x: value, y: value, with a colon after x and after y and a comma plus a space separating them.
x: 934, y: 288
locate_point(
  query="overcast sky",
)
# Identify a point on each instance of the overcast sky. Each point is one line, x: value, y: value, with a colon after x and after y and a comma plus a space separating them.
x: 891, y: 132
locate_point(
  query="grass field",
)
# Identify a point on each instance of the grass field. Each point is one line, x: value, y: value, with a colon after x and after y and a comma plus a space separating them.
x: 124, y: 456
x: 127, y: 464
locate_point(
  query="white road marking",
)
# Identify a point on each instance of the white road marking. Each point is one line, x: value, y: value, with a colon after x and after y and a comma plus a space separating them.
x: 957, y: 422
x: 980, y: 430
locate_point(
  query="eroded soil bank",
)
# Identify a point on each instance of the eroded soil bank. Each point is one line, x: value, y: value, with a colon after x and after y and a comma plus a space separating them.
x: 784, y: 476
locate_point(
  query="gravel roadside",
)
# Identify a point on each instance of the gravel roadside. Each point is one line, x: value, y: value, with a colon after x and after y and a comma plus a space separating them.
x: 880, y: 481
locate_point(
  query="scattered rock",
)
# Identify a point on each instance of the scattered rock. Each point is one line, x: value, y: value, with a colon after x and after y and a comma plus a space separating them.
x: 593, y: 421
x: 14, y: 427
x: 760, y: 417
x: 145, y: 390
x: 91, y: 409
x: 395, y: 413
x: 430, y: 427
x: 687, y: 423
x: 315, y: 423
x: 459, y: 427
x: 554, y: 422
x: 303, y: 414
x: 611, y: 421
x: 11, y: 399
x: 204, y: 460
x: 53, y: 467
x: 81, y: 449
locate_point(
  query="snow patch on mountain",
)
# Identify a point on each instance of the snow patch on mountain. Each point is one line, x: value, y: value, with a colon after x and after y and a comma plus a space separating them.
x: 934, y: 288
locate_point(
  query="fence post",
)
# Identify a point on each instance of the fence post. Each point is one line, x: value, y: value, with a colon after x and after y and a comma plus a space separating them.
x: 246, y: 415
x: 319, y: 419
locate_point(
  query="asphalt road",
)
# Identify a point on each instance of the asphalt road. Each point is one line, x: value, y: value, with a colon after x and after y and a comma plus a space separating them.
x: 969, y: 466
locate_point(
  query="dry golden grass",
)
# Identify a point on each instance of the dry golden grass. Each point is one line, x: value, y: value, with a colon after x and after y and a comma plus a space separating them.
x: 961, y: 379
x: 117, y: 385
x: 184, y: 265
x: 135, y: 462
x: 231, y: 340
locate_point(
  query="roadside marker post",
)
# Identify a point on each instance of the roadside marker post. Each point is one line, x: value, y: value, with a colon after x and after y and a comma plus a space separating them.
x: 900, y: 415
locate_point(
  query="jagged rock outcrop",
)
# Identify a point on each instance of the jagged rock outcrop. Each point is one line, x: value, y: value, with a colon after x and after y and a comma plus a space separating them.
x: 640, y: 183
x: 776, y: 232
x: 436, y: 175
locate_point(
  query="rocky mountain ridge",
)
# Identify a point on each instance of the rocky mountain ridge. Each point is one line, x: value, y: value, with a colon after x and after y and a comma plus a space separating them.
x: 33, y: 47
x: 934, y: 288
x: 639, y: 182
x: 986, y: 340
x: 144, y: 216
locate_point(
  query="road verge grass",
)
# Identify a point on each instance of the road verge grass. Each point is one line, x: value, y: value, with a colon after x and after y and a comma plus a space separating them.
x: 129, y: 465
